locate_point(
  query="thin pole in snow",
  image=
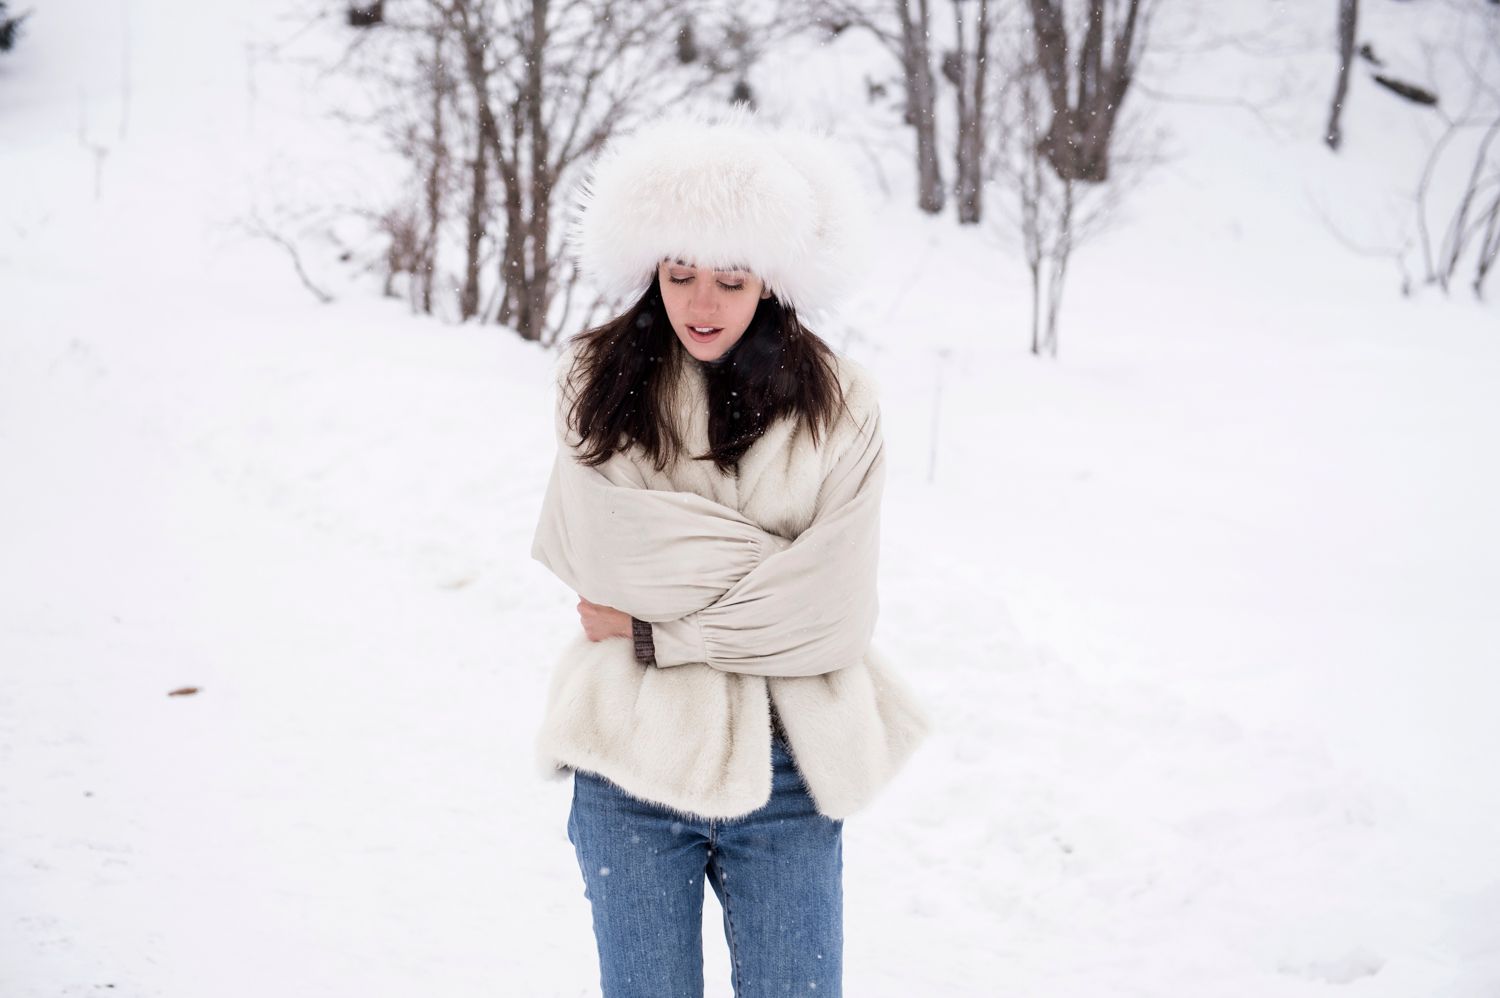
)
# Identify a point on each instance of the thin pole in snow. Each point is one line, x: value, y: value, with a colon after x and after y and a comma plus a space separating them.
x: 937, y: 405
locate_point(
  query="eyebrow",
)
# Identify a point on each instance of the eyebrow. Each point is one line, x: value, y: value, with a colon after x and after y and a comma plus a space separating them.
x: 721, y: 270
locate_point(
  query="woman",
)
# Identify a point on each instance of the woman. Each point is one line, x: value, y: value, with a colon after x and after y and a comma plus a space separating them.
x: 715, y: 504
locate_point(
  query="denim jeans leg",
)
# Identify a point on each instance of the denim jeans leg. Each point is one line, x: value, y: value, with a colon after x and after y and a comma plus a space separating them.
x: 778, y: 874
x: 643, y: 868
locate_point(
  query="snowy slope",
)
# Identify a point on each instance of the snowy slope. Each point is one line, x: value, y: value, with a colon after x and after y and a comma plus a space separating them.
x: 1205, y: 605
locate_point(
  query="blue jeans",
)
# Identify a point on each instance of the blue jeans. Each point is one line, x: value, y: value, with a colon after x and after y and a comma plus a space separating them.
x: 777, y: 871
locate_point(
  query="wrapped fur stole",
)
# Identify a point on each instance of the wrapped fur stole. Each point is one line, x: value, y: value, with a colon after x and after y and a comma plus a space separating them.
x: 760, y: 587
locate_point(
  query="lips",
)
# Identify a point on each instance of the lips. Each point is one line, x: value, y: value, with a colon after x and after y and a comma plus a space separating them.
x: 705, y: 337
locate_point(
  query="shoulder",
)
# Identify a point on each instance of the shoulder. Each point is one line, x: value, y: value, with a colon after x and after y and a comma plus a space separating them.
x: 861, y: 395
x: 566, y: 387
x: 564, y: 369
x: 853, y: 432
x: 567, y: 357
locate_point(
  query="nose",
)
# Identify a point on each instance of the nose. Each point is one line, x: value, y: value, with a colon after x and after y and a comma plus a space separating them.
x: 705, y: 299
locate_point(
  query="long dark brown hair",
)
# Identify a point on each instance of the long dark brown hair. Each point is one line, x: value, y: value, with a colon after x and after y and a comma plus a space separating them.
x: 627, y: 369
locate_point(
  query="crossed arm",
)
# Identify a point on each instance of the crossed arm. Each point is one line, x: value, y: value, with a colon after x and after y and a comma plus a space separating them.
x: 715, y: 587
x: 808, y: 608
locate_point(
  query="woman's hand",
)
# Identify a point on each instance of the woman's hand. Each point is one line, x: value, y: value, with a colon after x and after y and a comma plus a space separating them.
x: 600, y: 621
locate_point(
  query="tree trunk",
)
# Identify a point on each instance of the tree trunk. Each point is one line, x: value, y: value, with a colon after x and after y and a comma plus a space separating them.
x: 479, y: 196
x: 477, y: 74
x: 971, y: 115
x: 435, y: 179
x: 1062, y: 251
x: 512, y: 260
x: 1077, y: 141
x: 538, y: 290
x: 1348, y: 24
x: 921, y: 97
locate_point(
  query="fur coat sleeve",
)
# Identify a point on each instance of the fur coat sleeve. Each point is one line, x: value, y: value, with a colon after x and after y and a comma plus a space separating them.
x: 811, y: 607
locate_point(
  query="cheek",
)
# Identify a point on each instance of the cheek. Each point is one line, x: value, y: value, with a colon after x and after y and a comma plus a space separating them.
x: 669, y: 300
x: 679, y: 299
x: 746, y: 308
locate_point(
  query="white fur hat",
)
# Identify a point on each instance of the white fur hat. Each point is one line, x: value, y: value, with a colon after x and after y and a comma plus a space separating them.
x: 723, y: 189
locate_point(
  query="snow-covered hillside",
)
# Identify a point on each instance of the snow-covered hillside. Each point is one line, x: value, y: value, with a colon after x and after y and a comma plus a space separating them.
x: 1205, y: 607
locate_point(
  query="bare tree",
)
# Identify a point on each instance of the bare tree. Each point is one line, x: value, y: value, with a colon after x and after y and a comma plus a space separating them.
x: 476, y: 220
x: 1047, y: 205
x: 904, y: 28
x: 403, y: 252
x: 498, y: 104
x: 1473, y: 222
x: 1463, y: 167
x: 1087, y: 83
x: 418, y: 130
x: 970, y: 64
x: 1052, y: 213
x: 921, y: 100
x: 547, y: 84
x: 1348, y: 25
x: 255, y: 224
x: 440, y: 90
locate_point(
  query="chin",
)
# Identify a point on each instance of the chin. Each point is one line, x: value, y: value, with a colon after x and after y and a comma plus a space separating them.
x: 707, y: 352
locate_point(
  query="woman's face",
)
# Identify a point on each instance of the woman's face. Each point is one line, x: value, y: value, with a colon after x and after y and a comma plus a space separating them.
x: 723, y: 301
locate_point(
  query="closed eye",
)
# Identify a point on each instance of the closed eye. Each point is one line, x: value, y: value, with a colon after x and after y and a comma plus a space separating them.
x: 726, y: 287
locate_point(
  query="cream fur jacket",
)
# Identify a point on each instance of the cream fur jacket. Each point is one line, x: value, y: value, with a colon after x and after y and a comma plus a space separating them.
x: 760, y: 587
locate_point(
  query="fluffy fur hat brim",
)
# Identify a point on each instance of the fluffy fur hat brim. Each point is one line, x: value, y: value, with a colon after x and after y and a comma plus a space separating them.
x: 724, y: 189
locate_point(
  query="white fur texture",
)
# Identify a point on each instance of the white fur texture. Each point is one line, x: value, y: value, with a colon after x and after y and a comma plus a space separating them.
x: 724, y: 189
x: 696, y: 739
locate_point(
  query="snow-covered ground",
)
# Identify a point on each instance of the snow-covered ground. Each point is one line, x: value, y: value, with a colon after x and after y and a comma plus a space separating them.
x: 1205, y: 607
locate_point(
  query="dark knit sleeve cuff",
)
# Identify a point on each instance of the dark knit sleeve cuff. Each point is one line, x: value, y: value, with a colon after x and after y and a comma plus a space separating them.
x: 645, y: 647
